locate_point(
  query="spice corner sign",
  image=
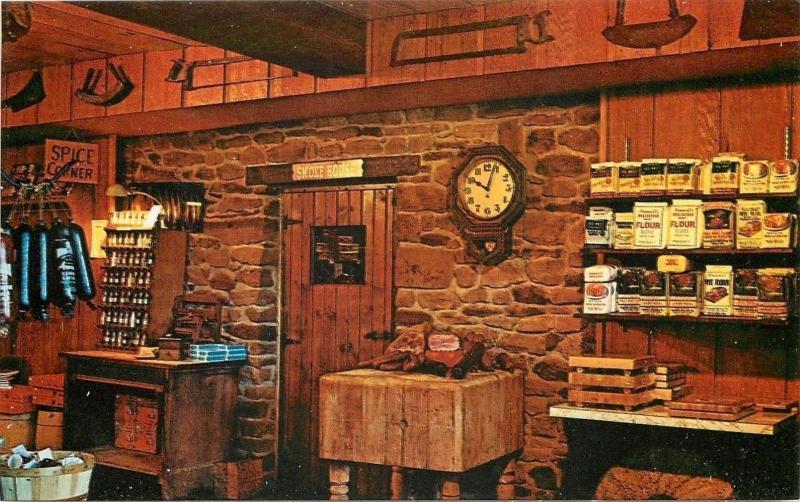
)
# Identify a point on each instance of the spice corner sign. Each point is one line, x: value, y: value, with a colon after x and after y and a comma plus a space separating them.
x: 59, y: 152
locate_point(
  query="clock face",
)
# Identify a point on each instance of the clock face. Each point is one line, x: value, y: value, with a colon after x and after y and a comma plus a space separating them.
x: 486, y: 188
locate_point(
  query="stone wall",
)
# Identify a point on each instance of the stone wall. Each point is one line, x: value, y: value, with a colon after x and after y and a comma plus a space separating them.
x: 523, y: 306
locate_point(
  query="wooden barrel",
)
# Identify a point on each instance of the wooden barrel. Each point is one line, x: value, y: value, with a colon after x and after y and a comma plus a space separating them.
x: 48, y: 483
x: 17, y: 429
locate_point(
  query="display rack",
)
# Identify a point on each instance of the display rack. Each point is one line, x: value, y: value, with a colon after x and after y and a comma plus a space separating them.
x: 142, y: 276
x: 761, y: 423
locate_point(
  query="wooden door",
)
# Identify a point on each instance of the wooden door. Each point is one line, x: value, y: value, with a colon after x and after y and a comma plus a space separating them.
x: 329, y: 326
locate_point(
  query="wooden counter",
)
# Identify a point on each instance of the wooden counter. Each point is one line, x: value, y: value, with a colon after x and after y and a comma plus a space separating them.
x: 419, y: 421
x: 197, y: 404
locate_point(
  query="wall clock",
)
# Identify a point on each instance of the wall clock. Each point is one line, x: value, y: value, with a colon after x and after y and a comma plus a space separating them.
x: 487, y: 195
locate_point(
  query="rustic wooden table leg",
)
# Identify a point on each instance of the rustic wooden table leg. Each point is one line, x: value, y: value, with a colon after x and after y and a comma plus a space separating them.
x: 451, y: 488
x: 505, y: 485
x: 339, y: 476
x: 397, y: 484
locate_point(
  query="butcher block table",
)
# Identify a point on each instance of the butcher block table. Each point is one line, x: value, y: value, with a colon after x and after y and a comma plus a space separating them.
x: 419, y: 421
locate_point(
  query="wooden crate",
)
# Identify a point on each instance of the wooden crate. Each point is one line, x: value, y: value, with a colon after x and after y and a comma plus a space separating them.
x: 626, y: 400
x: 49, y: 429
x: 671, y: 394
x: 612, y: 362
x: 17, y: 429
x: 238, y: 480
x: 420, y: 421
x: 611, y: 381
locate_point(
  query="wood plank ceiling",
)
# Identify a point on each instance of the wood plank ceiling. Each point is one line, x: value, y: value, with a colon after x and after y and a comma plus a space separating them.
x: 64, y: 33
x: 61, y: 33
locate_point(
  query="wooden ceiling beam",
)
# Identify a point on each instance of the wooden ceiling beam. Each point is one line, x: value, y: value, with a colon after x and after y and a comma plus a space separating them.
x: 738, y: 63
x: 303, y: 35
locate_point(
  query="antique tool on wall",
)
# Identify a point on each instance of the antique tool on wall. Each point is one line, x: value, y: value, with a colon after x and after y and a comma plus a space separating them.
x: 113, y: 95
x: 649, y: 35
x: 524, y: 25
x: 32, y: 93
x: 16, y: 20
x: 762, y: 19
x: 183, y: 72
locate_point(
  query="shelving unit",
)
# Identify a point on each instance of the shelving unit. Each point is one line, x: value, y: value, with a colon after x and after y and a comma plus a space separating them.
x: 599, y: 199
x: 141, y: 280
x: 700, y: 319
x: 634, y: 334
x: 761, y: 422
x: 701, y: 251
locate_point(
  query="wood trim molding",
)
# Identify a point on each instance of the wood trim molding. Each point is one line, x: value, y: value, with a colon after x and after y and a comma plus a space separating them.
x: 374, y: 168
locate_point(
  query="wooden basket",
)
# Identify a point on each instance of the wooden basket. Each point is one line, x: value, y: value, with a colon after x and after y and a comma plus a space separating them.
x: 48, y: 483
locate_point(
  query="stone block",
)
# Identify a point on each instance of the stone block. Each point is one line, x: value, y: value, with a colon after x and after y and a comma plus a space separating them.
x: 423, y: 267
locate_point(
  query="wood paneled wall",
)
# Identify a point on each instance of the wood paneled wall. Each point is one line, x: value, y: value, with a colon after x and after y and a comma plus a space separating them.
x: 40, y: 343
x: 700, y: 120
x: 576, y: 25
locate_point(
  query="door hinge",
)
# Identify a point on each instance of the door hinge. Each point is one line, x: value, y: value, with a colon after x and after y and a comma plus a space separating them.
x: 380, y: 335
x: 288, y: 221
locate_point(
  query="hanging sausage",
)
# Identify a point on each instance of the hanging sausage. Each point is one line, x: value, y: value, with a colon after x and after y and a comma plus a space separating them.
x: 22, y: 244
x: 6, y: 258
x: 83, y: 264
x: 63, y: 280
x: 38, y: 270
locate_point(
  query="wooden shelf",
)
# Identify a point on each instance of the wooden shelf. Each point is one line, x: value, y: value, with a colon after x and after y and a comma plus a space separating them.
x: 130, y: 460
x: 761, y: 422
x: 610, y: 199
x: 701, y: 251
x: 701, y: 319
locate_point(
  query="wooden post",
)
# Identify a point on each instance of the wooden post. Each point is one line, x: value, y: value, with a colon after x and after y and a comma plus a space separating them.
x: 505, y: 485
x: 451, y: 489
x: 397, y: 484
x: 339, y: 476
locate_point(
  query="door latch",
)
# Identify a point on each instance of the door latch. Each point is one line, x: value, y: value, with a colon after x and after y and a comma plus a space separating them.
x: 380, y: 335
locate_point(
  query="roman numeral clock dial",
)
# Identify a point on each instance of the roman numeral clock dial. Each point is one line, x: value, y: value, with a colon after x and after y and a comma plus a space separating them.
x: 486, y: 197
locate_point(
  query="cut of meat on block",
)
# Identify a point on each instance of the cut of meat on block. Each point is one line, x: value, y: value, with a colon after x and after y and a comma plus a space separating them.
x: 626, y: 400
x: 669, y: 369
x: 783, y: 405
x: 671, y: 394
x: 671, y: 383
x: 712, y: 405
x: 642, y: 380
x: 612, y: 362
x: 707, y: 415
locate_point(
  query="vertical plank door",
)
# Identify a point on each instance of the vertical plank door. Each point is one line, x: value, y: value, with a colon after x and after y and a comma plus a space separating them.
x: 325, y: 325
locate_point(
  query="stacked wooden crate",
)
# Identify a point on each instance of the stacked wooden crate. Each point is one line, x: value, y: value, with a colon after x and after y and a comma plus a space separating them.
x: 670, y: 382
x: 612, y: 381
x: 711, y: 408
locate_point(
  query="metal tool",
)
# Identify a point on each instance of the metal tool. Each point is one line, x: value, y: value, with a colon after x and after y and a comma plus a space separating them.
x: 32, y: 93
x: 115, y: 95
x: 183, y: 72
x: 649, y: 35
x: 524, y: 25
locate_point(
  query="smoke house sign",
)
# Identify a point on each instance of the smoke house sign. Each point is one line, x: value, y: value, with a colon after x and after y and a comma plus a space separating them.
x: 336, y: 169
x: 58, y: 152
